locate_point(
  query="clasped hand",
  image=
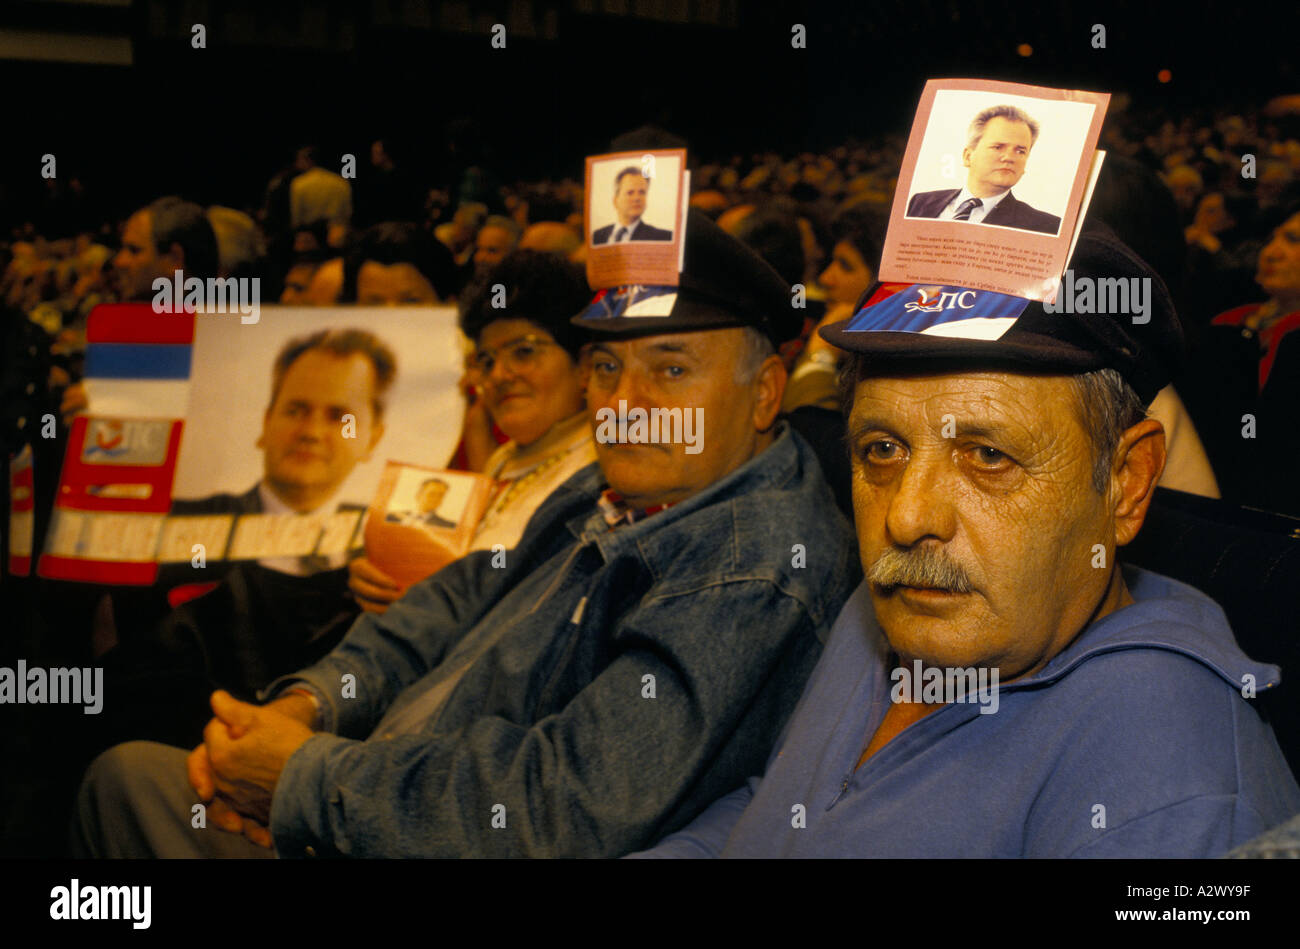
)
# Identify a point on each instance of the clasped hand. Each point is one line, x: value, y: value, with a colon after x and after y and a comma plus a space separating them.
x: 237, y: 767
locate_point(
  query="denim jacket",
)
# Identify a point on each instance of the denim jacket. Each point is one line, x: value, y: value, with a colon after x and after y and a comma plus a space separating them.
x: 615, y: 681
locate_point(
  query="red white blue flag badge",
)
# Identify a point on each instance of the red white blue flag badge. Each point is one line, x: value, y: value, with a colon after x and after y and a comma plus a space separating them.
x: 630, y: 302
x: 935, y: 310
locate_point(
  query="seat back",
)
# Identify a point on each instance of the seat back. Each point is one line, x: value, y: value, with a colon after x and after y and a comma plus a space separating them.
x: 1248, y: 561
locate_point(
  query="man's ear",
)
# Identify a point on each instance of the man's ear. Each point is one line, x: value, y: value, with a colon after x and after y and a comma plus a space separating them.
x: 769, y: 387
x: 965, y: 157
x: 1138, y: 464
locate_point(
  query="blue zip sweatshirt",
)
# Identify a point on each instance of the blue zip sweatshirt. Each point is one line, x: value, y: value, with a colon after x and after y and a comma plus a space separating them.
x: 1135, y: 741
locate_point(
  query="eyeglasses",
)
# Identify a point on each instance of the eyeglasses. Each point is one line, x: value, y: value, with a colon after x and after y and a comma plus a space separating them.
x: 518, y: 355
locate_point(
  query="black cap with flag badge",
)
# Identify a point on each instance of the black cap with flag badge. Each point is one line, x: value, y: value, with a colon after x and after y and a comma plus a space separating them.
x: 723, y: 283
x: 1084, y: 330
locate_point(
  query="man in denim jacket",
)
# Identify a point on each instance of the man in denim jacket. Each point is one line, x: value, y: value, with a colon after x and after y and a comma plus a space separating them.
x: 582, y: 694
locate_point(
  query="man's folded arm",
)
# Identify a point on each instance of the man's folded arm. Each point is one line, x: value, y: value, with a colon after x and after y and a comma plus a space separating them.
x: 612, y: 770
x: 385, y: 652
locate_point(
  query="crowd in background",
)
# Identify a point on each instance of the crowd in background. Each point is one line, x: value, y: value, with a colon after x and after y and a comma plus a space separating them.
x: 379, y: 232
x: 1173, y: 188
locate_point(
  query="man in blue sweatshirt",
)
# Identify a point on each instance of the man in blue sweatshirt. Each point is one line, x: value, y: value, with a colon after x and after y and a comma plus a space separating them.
x: 999, y: 685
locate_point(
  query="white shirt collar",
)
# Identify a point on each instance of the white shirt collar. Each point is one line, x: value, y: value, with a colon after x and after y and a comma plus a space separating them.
x: 272, y: 503
x: 630, y: 228
x: 988, y: 204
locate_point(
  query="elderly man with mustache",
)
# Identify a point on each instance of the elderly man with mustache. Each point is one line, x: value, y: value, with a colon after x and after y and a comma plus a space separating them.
x: 1069, y: 705
x: 631, y: 658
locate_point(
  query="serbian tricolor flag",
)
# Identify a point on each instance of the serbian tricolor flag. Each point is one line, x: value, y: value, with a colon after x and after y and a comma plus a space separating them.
x: 138, y: 361
x: 116, y: 484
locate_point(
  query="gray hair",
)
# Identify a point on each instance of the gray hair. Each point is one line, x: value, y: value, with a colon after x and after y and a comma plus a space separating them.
x: 1108, y: 406
x: 976, y: 130
x: 755, y: 348
x: 174, y: 221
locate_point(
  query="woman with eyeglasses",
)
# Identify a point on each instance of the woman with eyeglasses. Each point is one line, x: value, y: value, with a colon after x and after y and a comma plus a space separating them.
x: 529, y: 380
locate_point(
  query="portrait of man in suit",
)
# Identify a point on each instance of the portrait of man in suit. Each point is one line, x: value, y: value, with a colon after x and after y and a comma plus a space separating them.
x: 630, y: 191
x: 325, y: 416
x: 237, y: 624
x: 428, y: 498
x: 998, y: 144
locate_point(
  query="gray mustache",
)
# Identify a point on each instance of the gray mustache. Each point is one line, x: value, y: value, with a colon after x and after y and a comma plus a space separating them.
x: 924, y: 567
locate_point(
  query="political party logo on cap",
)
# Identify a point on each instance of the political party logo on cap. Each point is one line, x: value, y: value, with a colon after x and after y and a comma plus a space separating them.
x: 957, y: 312
x: 631, y: 302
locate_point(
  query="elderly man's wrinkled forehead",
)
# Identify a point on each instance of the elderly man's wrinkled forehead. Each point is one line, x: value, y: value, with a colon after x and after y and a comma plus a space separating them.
x: 1031, y: 411
x: 718, y: 348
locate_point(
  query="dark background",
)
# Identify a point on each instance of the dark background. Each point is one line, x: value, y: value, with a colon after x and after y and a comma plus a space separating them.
x: 215, y: 124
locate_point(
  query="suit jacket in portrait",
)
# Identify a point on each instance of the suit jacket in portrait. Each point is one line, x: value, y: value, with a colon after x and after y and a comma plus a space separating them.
x: 1009, y: 213
x: 416, y: 519
x: 642, y: 232
x: 250, y: 502
x: 252, y: 625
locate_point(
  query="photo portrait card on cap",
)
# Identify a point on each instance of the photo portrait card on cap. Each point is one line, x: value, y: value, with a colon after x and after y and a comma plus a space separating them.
x: 723, y: 282
x: 993, y: 187
x: 635, y: 217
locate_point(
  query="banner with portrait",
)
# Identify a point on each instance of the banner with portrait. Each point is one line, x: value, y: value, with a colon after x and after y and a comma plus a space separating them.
x: 210, y: 438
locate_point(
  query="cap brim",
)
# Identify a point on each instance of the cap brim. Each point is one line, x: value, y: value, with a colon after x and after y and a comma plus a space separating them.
x: 688, y: 316
x: 1013, y: 350
x: 696, y: 319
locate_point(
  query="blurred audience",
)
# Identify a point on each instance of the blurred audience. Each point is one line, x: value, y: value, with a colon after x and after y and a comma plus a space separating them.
x: 1178, y: 189
x: 1246, y: 382
x: 398, y: 264
x: 317, y: 194
x: 240, y: 246
x: 497, y: 237
x: 158, y: 240
x: 551, y: 237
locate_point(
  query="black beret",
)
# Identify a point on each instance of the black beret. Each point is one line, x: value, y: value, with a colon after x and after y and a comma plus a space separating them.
x: 723, y: 283
x: 1146, y: 354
